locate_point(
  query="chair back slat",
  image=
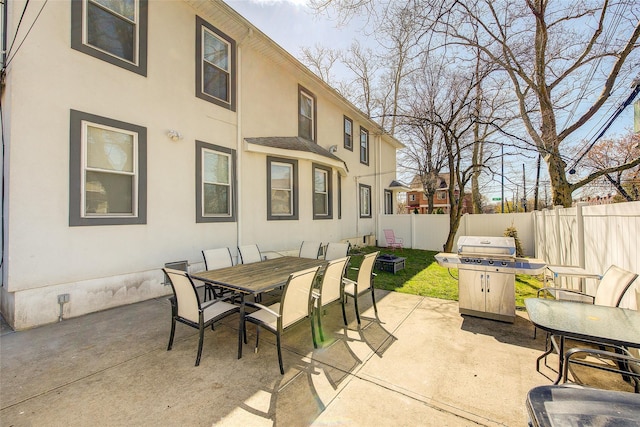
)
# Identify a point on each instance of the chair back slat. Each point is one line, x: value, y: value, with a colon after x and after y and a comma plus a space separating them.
x: 249, y: 254
x: 336, y: 250
x: 613, y: 285
x: 296, y: 297
x: 332, y: 280
x: 217, y: 258
x: 309, y: 249
x: 365, y: 275
x: 187, y: 299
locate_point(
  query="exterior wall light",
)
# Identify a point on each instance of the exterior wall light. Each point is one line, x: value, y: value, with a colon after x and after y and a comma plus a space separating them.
x: 174, y: 135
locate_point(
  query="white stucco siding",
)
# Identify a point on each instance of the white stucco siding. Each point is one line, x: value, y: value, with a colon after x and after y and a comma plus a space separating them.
x: 52, y: 79
x: 103, y: 266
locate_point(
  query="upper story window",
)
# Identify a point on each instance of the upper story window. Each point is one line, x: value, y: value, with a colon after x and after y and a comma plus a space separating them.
x: 282, y: 189
x: 442, y: 195
x: 348, y: 133
x: 322, y: 193
x: 114, y: 31
x: 215, y: 68
x: 364, y: 146
x: 306, y: 114
x: 412, y: 197
x: 107, y: 171
x: 365, y: 201
x: 216, y: 190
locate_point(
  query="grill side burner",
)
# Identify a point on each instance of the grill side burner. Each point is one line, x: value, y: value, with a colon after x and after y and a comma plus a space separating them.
x: 486, y: 275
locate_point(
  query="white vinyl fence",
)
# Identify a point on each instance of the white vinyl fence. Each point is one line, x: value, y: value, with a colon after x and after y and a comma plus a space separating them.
x: 429, y: 232
x: 592, y: 237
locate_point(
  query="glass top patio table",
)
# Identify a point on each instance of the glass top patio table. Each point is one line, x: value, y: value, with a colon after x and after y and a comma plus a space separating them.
x: 255, y: 278
x: 569, y: 319
x: 611, y: 325
x: 569, y: 406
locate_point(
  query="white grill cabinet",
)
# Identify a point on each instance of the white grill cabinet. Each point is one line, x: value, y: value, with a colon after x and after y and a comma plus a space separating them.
x: 486, y: 275
x: 487, y: 293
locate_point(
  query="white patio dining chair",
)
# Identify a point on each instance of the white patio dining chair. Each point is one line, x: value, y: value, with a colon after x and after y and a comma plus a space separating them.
x: 364, y: 283
x: 612, y: 287
x: 249, y: 254
x: 309, y: 249
x: 330, y: 289
x: 336, y: 250
x: 621, y: 360
x: 610, y: 291
x: 294, y: 306
x: 189, y: 310
x: 215, y: 259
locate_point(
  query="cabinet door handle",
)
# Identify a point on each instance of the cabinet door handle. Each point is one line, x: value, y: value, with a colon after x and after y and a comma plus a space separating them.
x: 488, y: 283
x: 482, y: 283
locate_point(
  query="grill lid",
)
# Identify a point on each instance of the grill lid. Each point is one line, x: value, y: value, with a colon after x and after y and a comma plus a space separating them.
x: 487, y: 246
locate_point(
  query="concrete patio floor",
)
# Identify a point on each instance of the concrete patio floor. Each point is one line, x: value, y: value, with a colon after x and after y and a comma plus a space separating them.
x: 422, y: 363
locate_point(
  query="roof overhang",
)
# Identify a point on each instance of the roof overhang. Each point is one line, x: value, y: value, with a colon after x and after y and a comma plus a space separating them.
x: 297, y: 148
x: 398, y: 186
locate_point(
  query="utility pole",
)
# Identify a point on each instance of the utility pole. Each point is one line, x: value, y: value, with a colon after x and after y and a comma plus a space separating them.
x: 524, y: 189
x: 502, y: 176
x: 537, y: 189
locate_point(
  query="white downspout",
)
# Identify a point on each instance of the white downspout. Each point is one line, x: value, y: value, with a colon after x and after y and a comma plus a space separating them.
x: 239, y: 144
x: 380, y: 192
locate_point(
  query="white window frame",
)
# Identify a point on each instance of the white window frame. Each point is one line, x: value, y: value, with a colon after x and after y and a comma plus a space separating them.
x: 292, y: 188
x: 202, y: 28
x: 80, y: 35
x: 85, y: 168
x: 78, y: 150
x: 388, y: 202
x: 135, y: 23
x: 227, y: 184
x: 327, y: 193
x: 364, y: 194
x: 348, y: 146
x: 303, y: 93
x: 364, y: 146
x: 206, y: 31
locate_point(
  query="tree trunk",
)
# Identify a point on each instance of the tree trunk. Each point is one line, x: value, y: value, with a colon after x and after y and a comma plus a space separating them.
x: 561, y: 189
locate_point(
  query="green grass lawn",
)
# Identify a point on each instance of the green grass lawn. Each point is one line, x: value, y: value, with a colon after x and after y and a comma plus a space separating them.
x: 423, y: 276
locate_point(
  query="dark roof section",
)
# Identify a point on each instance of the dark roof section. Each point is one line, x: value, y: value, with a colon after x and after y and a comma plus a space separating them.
x: 397, y: 185
x: 294, y: 143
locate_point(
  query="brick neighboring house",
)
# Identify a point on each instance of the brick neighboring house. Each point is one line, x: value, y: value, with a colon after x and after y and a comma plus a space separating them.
x: 417, y: 201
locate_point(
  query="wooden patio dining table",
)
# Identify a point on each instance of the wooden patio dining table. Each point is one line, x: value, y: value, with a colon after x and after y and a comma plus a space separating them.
x: 256, y: 278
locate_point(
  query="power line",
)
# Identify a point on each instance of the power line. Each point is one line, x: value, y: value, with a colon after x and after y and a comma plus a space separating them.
x: 625, y: 104
x: 26, y: 35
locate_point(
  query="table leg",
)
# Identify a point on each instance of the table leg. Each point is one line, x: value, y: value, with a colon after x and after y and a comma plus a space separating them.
x: 560, y: 359
x: 241, y: 326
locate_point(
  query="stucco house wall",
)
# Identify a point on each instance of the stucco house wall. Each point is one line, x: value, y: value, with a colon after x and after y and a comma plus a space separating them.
x: 102, y: 266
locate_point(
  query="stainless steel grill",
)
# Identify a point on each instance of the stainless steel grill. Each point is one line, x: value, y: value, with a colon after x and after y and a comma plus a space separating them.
x: 487, y: 266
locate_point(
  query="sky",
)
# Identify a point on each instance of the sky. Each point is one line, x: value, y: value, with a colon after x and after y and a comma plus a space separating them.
x: 293, y: 25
